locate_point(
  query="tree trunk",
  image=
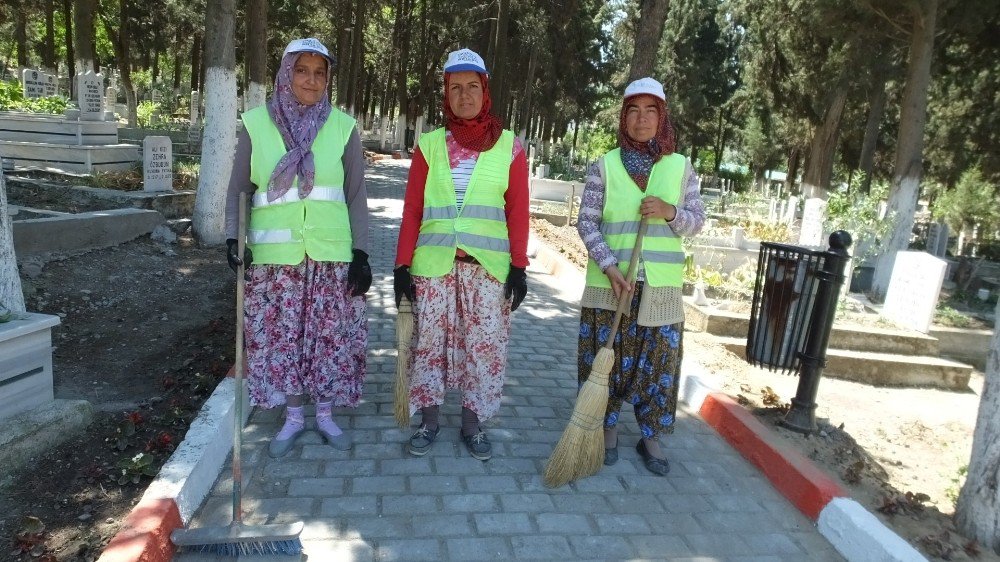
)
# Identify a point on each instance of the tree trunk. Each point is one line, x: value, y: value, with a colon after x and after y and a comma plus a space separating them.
x: 876, y: 108
x: 816, y: 179
x: 977, y: 513
x: 720, y: 145
x: 67, y: 10
x: 794, y: 157
x: 648, y: 32
x: 497, y: 68
x: 21, y: 33
x: 357, y: 44
x: 343, y: 50
x: 121, y: 42
x: 196, y: 61
x: 529, y: 84
x: 405, y: 7
x: 256, y: 53
x: 176, y: 84
x: 219, y: 144
x: 909, y: 146
x: 49, y: 47
x: 11, y: 297
x: 83, y: 46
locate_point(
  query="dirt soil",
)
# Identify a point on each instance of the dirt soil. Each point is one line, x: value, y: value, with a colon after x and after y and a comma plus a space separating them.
x: 146, y: 334
x: 900, y: 452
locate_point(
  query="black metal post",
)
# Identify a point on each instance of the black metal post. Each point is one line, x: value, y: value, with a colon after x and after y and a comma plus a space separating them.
x: 801, y: 417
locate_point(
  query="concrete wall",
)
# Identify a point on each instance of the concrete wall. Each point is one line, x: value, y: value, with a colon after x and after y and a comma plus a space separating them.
x: 84, y: 231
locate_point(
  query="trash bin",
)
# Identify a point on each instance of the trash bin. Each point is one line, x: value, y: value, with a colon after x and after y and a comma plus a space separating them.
x: 794, y: 304
x: 783, y: 297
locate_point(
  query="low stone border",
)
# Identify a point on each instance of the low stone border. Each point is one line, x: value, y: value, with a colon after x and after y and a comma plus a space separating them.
x: 182, y: 484
x: 855, y: 532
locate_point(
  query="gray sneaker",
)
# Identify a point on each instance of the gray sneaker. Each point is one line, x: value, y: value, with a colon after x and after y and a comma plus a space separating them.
x: 421, y: 440
x: 478, y: 445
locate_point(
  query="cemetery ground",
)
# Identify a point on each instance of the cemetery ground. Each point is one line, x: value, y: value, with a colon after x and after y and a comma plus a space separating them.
x: 146, y: 334
x: 900, y: 452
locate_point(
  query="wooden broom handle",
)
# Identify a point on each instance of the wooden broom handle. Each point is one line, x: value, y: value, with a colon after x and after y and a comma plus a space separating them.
x: 626, y: 298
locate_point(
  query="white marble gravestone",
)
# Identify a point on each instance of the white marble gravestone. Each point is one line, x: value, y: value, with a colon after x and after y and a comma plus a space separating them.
x: 913, y: 290
x: 811, y: 233
x: 90, y: 98
x: 36, y: 84
x: 157, y: 164
x: 937, y: 239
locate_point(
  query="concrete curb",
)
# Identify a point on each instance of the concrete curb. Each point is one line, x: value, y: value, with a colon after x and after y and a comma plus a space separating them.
x: 181, y: 485
x: 852, y: 530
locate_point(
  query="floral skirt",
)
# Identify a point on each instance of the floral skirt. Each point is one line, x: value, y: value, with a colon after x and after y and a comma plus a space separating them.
x: 460, y: 336
x: 647, y: 366
x: 304, y: 334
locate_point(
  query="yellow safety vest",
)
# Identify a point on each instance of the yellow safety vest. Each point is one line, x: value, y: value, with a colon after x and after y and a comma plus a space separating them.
x: 480, y: 226
x: 287, y: 229
x: 662, y: 255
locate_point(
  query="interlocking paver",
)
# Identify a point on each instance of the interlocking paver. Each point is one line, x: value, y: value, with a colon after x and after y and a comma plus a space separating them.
x: 378, y: 503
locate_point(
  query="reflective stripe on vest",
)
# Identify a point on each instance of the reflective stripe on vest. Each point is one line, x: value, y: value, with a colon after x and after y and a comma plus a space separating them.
x: 662, y: 255
x: 480, y: 226
x: 286, y: 230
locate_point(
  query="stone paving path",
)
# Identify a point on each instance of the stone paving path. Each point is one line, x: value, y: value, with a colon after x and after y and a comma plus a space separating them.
x: 378, y: 503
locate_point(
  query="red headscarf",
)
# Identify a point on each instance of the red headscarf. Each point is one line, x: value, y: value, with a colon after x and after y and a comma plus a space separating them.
x: 666, y: 142
x: 482, y: 131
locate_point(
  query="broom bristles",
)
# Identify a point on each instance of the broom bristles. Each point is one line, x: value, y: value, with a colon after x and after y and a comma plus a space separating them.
x: 401, y: 393
x: 580, y: 450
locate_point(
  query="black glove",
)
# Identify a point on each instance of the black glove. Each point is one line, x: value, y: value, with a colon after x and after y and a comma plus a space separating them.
x: 232, y: 256
x: 517, y: 286
x: 402, y: 284
x: 359, y: 274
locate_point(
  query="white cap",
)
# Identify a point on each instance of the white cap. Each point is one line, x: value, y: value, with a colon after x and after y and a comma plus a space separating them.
x: 308, y: 45
x: 645, y: 86
x: 465, y: 59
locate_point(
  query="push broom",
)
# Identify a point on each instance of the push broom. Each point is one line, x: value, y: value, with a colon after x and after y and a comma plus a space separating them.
x: 580, y: 450
x: 238, y: 538
x: 404, y: 333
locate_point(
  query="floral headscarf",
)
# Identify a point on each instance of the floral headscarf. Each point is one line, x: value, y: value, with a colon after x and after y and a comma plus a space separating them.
x: 298, y: 124
x: 638, y: 158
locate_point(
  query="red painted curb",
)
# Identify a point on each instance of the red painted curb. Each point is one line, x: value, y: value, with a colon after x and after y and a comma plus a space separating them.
x: 794, y: 475
x: 145, y: 534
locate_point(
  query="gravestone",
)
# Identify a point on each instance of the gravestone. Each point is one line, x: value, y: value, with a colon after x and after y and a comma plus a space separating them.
x: 194, y: 114
x: 156, y: 97
x: 194, y: 137
x: 937, y: 239
x: 790, y: 209
x: 36, y: 84
x: 110, y: 98
x: 811, y: 232
x: 913, y: 290
x: 89, y: 88
x: 157, y: 164
x: 772, y: 210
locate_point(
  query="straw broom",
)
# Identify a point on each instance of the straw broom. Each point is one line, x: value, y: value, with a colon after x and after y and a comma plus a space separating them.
x: 404, y: 334
x: 580, y: 451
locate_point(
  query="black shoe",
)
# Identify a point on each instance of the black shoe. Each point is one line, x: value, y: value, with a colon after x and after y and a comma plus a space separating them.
x: 610, y: 455
x: 421, y: 440
x: 478, y: 445
x: 660, y: 467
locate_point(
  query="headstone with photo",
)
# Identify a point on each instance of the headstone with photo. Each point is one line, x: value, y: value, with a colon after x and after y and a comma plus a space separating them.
x: 811, y: 232
x: 914, y: 288
x: 36, y: 84
x: 157, y: 164
x: 90, y: 87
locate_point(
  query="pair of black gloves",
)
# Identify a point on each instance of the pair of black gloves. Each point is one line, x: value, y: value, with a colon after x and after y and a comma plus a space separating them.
x: 359, y: 273
x: 516, y: 287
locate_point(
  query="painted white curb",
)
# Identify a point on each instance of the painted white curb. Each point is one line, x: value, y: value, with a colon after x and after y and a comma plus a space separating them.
x: 696, y: 384
x: 189, y: 474
x: 860, y: 537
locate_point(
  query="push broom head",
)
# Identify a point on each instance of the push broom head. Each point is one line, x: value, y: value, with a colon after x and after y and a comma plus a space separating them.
x: 580, y: 451
x: 241, y: 540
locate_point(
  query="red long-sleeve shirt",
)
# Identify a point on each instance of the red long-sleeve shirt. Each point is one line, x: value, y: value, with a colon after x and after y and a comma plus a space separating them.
x: 515, y: 208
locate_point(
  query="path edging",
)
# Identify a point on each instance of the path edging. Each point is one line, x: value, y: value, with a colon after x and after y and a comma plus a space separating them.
x: 182, y: 484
